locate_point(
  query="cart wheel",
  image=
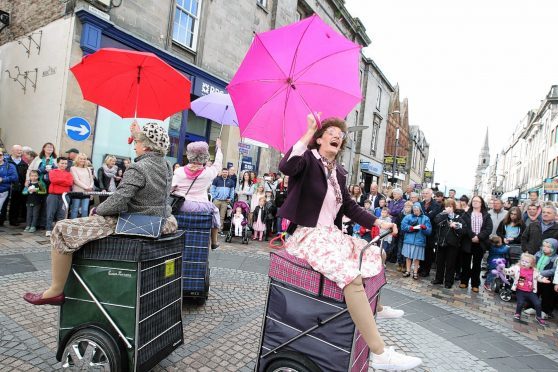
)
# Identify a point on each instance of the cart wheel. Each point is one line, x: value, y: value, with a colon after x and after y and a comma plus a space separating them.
x: 199, y: 301
x: 91, y: 349
x: 505, y: 294
x: 291, y: 362
x: 496, y: 285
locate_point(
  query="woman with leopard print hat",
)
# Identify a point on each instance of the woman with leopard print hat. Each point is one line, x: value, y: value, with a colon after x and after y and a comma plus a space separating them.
x: 144, y: 189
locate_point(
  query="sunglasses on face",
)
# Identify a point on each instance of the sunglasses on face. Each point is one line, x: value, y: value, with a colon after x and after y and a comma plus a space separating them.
x: 333, y: 132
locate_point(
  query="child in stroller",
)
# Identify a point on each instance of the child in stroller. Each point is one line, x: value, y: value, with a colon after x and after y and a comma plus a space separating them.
x: 239, y: 222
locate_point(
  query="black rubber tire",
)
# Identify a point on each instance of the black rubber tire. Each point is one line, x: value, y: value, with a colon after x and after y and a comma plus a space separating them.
x: 292, y: 362
x: 106, y: 349
x: 505, y: 295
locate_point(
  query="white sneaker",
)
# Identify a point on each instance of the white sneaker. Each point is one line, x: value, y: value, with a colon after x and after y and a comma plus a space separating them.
x: 544, y: 315
x: 47, y: 234
x: 529, y: 311
x: 389, y: 313
x: 393, y: 361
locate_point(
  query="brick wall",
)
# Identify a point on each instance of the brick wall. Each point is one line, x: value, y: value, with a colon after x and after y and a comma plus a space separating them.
x: 29, y: 15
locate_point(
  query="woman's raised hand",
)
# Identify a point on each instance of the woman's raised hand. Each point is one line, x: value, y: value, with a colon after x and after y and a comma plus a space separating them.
x: 312, y: 119
x: 134, y: 127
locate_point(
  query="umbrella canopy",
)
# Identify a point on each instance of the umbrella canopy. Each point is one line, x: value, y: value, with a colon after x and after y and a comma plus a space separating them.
x: 216, y: 106
x: 132, y: 84
x: 292, y: 71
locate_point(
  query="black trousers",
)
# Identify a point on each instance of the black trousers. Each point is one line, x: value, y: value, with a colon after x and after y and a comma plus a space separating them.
x: 18, y: 209
x: 445, y: 264
x: 548, y: 296
x: 426, y: 265
x: 526, y: 297
x: 468, y: 271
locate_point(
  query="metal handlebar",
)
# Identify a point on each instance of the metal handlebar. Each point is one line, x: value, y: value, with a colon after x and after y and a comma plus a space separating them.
x: 81, y: 194
x: 372, y: 242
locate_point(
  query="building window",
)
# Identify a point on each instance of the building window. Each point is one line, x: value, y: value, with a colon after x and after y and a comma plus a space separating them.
x: 379, y: 98
x: 549, y: 170
x: 374, y: 140
x: 262, y: 3
x: 186, y: 22
x: 553, y: 137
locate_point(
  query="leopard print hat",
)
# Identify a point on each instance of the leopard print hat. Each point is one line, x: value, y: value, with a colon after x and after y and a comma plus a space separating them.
x: 157, y: 134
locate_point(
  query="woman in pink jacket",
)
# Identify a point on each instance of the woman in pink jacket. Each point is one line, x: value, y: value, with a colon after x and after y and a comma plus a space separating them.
x: 193, y: 180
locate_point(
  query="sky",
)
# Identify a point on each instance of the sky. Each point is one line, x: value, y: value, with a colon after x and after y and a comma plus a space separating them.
x: 465, y: 66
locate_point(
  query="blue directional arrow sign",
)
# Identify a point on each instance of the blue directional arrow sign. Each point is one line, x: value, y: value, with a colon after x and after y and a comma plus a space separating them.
x: 77, y: 128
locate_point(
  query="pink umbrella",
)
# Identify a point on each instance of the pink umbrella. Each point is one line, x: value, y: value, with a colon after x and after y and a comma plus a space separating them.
x: 292, y: 71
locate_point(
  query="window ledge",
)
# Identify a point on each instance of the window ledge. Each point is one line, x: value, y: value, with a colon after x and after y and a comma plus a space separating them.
x: 183, y: 47
x: 262, y: 8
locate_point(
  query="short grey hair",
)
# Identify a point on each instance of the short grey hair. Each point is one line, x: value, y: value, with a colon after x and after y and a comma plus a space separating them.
x: 397, y: 191
x: 414, y: 194
x: 551, y: 207
x: 27, y: 149
x: 141, y: 137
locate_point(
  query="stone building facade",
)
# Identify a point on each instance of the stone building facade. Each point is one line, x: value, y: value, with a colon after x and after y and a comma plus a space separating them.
x: 204, y: 40
x: 398, y: 118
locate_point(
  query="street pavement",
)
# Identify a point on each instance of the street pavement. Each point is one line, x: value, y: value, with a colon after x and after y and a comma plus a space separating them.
x: 452, y: 330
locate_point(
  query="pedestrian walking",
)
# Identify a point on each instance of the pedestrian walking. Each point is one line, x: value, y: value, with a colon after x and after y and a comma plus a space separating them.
x: 61, y: 182
x: 451, y: 226
x: 35, y: 192
x: 479, y: 227
x: 417, y: 228
x: 8, y: 176
x: 83, y: 182
x: 222, y: 192
x: 17, y: 211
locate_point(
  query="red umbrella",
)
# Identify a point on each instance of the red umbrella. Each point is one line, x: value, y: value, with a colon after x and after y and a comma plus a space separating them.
x: 132, y: 84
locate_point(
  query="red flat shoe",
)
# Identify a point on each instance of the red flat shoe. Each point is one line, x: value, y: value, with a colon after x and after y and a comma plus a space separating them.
x: 37, y: 299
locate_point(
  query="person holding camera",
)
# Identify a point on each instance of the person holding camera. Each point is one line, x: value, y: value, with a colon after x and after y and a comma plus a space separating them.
x: 417, y: 227
x: 450, y: 230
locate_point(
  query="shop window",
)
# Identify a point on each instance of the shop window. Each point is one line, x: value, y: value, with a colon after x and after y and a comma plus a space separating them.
x: 196, y: 124
x: 186, y: 22
x: 112, y: 132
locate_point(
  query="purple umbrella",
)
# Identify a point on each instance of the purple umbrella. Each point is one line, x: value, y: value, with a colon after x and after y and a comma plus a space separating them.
x: 217, y: 107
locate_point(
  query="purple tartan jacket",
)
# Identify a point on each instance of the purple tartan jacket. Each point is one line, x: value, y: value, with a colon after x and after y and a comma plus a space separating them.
x: 307, y: 190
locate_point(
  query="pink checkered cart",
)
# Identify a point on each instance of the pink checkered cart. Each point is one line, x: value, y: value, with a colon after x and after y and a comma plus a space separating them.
x: 307, y: 326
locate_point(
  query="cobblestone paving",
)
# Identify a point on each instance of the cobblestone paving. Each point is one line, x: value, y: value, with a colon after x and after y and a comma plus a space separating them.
x: 224, y: 334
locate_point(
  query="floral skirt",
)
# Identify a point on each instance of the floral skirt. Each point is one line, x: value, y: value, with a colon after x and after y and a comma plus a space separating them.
x: 334, y: 254
x: 70, y: 235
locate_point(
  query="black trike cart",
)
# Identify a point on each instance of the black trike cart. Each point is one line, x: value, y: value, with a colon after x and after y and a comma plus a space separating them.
x: 307, y: 326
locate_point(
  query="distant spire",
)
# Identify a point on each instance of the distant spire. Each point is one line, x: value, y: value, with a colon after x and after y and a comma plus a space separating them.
x: 485, y: 147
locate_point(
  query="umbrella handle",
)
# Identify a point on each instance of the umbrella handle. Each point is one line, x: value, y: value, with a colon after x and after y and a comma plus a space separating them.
x: 317, y: 118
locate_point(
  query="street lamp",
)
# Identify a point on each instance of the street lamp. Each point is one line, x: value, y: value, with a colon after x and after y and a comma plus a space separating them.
x: 393, y: 179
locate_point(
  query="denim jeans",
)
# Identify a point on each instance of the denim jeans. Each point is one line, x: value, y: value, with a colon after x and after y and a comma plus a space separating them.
x: 55, y: 210
x: 33, y: 212
x: 79, y: 205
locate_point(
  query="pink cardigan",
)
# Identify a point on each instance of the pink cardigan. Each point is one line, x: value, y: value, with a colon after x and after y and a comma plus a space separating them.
x: 198, y: 192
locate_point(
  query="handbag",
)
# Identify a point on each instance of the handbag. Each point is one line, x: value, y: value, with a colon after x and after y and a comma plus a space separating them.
x: 176, y: 201
x: 136, y: 224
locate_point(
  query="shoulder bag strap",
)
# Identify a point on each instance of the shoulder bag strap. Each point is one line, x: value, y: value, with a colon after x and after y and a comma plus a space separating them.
x: 192, y: 184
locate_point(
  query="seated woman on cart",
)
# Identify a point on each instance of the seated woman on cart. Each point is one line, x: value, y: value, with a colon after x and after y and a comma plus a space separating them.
x: 317, y: 200
x: 143, y: 190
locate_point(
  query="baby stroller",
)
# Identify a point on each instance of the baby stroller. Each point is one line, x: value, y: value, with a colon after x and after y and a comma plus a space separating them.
x: 245, y: 211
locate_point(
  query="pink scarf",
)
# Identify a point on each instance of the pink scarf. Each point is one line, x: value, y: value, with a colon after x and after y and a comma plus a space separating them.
x: 193, y: 170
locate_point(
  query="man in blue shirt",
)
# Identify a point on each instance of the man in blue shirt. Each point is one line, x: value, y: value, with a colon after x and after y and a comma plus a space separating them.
x: 222, y: 192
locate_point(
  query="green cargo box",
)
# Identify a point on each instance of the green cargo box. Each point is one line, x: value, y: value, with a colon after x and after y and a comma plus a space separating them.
x: 138, y: 284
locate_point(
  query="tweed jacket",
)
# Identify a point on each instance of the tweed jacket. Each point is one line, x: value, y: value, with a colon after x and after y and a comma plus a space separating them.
x: 307, y: 190
x: 143, y: 189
